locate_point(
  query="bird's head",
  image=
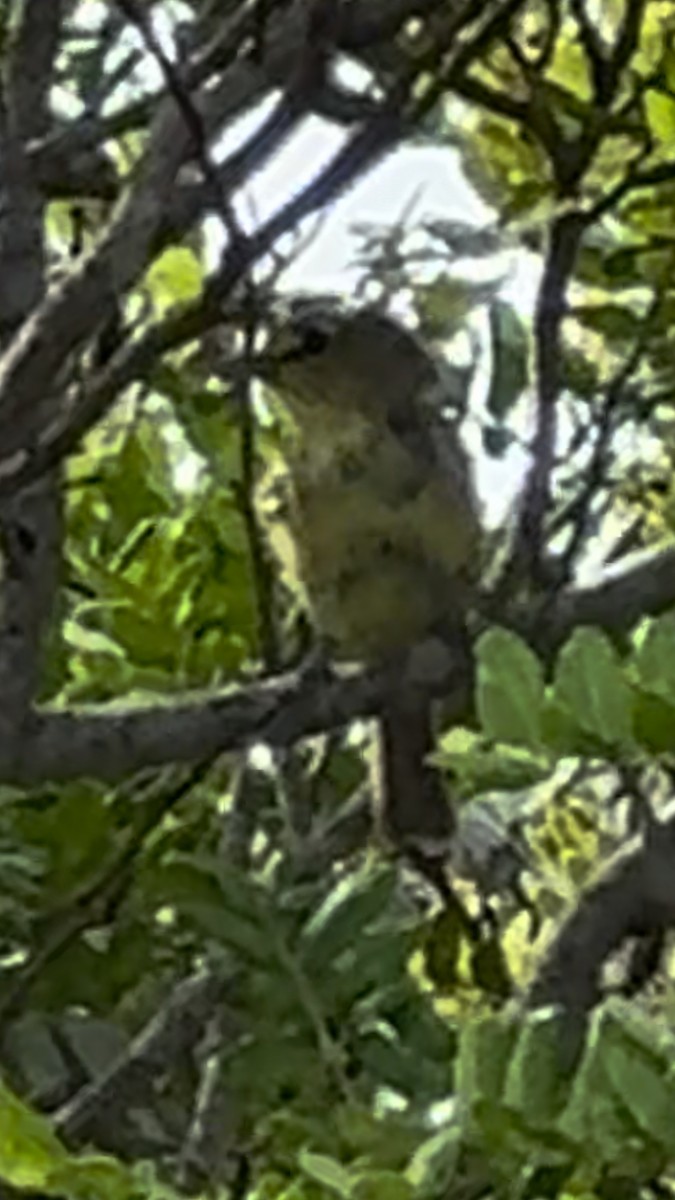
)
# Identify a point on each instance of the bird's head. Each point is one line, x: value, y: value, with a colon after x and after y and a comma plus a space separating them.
x: 325, y: 355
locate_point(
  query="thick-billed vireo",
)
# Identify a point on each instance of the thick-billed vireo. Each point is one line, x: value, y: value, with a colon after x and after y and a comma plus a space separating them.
x: 372, y: 517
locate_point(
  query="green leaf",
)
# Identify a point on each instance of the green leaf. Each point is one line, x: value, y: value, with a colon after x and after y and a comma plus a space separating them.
x: 91, y: 641
x: 196, y: 894
x: 242, y: 937
x: 388, y: 1140
x: 569, y: 70
x: 326, y: 1171
x: 444, y: 304
x: 376, y: 961
x: 510, y: 689
x: 96, y: 1175
x: 485, y: 1048
x: 510, y: 359
x: 580, y: 374
x: 653, y: 722
x: 35, y: 1053
x: 660, y: 110
x: 433, y: 1167
x: 536, y: 1082
x: 562, y: 733
x: 381, y: 1185
x: 614, y: 321
x: 637, y: 1062
x: 442, y: 944
x: 509, y: 172
x: 174, y: 277
x: 180, y: 878
x: 351, y: 906
x: 590, y: 686
x: 481, y: 768
x: 595, y: 1117
x: 622, y: 265
x: 29, y: 1150
x: 654, y: 658
x: 488, y: 968
x: 422, y: 1030
x: 401, y: 1068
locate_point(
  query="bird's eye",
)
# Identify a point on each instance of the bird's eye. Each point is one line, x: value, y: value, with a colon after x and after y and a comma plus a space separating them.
x: 314, y: 340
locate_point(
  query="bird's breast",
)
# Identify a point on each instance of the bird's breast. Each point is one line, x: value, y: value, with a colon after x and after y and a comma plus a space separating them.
x: 372, y: 537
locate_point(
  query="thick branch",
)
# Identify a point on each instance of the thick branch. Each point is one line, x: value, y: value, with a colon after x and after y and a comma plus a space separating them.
x: 634, y: 895
x: 31, y: 57
x: 641, y: 586
x: 111, y: 745
x: 30, y: 523
x: 62, y: 175
x: 173, y: 1031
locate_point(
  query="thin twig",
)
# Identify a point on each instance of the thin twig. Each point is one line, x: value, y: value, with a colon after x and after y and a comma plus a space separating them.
x: 579, y: 510
x: 190, y: 115
x: 331, y: 1053
x: 206, y: 1142
x: 263, y: 575
x: 526, y: 558
x: 593, y: 47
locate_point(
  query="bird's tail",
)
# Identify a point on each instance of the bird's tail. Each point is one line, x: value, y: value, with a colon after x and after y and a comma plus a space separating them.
x: 416, y: 812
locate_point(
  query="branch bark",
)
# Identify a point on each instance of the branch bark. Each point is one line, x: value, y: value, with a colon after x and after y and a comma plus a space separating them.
x: 94, y: 1113
x: 30, y: 521
x: 101, y: 744
x: 633, y: 896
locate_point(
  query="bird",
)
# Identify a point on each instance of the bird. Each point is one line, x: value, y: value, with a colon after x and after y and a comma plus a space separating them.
x: 372, y: 516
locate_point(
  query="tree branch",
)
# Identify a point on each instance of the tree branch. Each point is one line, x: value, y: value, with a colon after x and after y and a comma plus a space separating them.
x: 640, y: 586
x: 173, y: 1031
x: 30, y: 522
x: 109, y: 745
x: 578, y: 511
x: 43, y: 444
x: 565, y: 235
x: 32, y: 53
x: 634, y: 895
x: 70, y: 314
